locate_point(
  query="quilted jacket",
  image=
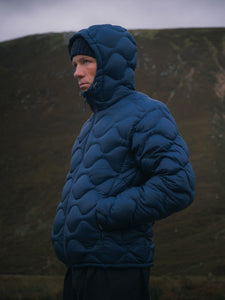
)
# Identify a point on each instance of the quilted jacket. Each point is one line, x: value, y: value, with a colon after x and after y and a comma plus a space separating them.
x: 129, y: 165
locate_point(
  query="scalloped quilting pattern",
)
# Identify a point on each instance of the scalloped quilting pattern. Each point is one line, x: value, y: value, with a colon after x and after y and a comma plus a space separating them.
x: 100, y: 161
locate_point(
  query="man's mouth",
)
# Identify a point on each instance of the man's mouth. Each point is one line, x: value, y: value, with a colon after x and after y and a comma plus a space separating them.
x: 83, y: 85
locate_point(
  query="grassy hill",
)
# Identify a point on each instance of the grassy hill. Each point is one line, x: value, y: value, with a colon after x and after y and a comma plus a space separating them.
x: 41, y: 114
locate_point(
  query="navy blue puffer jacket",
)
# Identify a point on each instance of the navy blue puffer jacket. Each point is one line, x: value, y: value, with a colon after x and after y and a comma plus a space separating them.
x: 129, y: 165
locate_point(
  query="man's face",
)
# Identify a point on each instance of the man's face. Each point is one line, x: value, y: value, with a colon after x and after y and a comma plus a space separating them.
x: 85, y: 70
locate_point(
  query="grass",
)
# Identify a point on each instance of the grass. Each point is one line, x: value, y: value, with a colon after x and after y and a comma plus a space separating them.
x: 187, y: 288
x: 30, y: 287
x: 20, y: 287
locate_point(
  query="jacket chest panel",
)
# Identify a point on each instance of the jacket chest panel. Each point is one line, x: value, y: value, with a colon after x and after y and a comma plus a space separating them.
x: 101, y: 158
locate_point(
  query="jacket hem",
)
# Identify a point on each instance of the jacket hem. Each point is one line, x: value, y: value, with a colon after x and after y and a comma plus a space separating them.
x: 105, y: 266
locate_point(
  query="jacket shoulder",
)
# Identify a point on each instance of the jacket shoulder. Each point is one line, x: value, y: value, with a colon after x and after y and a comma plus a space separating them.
x: 141, y: 106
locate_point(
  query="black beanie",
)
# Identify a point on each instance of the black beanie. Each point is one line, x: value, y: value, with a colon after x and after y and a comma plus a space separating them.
x: 81, y: 47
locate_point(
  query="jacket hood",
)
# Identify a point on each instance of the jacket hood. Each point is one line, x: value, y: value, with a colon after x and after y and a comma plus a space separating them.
x: 116, y: 55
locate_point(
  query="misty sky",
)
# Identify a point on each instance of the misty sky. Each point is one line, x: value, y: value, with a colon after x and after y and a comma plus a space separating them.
x: 24, y: 17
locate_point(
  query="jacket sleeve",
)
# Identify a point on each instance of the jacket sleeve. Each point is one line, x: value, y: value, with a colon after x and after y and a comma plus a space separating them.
x: 169, y: 184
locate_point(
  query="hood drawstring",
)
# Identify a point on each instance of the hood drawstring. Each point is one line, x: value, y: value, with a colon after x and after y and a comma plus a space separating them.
x: 85, y: 99
x: 95, y: 84
x: 82, y: 94
x: 84, y: 108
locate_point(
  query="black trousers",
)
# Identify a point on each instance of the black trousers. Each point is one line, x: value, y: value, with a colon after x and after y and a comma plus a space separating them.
x: 106, y: 284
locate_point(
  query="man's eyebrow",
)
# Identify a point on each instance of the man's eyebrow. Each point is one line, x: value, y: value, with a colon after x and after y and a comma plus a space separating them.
x: 78, y: 60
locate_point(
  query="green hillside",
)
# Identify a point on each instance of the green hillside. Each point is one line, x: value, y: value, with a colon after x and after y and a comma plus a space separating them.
x: 42, y: 113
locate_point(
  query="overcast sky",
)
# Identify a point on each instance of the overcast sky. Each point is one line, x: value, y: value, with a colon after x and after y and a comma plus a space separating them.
x: 24, y: 17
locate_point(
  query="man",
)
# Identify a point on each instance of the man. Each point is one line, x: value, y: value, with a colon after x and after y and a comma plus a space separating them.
x: 129, y: 168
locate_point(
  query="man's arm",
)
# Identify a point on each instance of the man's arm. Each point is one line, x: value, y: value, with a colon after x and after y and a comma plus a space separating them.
x: 162, y: 156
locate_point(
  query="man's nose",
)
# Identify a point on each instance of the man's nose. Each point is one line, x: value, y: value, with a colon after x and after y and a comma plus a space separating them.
x: 78, y: 72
